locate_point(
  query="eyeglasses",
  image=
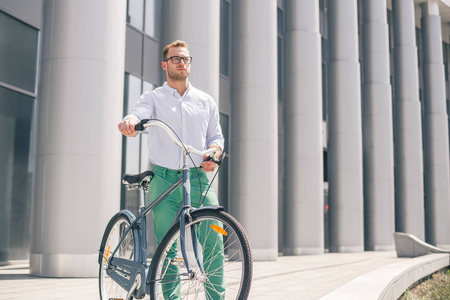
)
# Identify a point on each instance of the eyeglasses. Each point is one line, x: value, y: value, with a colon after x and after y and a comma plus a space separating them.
x: 177, y: 59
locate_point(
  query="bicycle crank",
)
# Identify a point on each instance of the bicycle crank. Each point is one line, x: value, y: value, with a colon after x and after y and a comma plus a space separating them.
x: 136, y: 285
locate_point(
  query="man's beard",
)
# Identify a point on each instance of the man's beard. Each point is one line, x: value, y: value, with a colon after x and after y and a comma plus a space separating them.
x: 178, y: 76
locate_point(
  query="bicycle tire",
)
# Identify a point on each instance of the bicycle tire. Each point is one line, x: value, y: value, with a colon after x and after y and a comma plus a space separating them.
x: 115, y: 229
x: 236, y: 265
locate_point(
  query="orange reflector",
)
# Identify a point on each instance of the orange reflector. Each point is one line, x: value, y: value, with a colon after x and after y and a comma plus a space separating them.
x: 218, y: 229
x: 107, y: 254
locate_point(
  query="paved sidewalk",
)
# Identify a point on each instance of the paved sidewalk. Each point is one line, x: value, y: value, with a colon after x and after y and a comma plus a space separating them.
x: 290, y: 277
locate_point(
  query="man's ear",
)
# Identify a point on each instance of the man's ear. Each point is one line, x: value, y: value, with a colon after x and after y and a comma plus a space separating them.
x: 164, y: 65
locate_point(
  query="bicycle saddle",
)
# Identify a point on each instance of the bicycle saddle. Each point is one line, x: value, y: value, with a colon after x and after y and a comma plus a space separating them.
x: 131, y: 179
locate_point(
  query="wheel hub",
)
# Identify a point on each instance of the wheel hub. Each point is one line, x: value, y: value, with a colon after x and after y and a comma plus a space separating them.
x: 199, y: 276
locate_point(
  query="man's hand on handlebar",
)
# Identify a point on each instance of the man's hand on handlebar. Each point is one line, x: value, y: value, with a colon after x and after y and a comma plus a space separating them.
x: 126, y: 127
x: 208, y: 164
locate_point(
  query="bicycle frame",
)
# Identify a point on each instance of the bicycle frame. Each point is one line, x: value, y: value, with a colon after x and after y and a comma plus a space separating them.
x: 126, y: 272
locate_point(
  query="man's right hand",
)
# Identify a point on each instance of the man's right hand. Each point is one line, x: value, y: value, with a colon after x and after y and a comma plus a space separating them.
x: 126, y: 127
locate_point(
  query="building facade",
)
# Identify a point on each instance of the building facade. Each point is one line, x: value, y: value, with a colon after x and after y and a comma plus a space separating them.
x: 335, y: 115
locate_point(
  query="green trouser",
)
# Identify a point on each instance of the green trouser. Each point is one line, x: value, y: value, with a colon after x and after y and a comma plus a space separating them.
x: 163, y: 215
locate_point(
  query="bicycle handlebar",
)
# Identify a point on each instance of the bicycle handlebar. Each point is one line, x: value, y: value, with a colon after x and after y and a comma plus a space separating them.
x: 143, y: 124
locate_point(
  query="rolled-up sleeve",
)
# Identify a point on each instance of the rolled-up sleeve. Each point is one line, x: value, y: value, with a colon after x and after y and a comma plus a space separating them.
x: 143, y: 108
x: 214, y: 134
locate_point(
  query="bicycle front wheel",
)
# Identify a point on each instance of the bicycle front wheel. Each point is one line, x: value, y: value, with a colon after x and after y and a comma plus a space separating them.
x: 115, y: 231
x: 223, y: 269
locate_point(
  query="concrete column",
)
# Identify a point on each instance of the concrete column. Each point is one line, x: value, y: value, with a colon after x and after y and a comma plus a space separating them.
x: 435, y: 139
x: 378, y: 141
x: 254, y: 154
x: 80, y: 101
x: 197, y: 22
x: 344, y: 128
x: 303, y: 130
x: 409, y: 205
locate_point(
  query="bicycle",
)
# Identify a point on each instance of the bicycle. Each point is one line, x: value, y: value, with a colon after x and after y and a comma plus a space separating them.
x: 182, y: 264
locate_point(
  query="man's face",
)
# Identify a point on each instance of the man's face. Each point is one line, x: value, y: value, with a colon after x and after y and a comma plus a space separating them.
x: 179, y: 71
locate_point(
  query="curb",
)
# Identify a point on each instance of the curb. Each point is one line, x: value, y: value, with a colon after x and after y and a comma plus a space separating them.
x: 391, y: 281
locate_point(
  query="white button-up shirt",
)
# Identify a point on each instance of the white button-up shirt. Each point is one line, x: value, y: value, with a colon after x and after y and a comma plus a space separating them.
x: 193, y: 116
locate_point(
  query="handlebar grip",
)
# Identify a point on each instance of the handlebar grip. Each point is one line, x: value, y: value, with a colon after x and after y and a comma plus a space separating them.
x: 140, y: 126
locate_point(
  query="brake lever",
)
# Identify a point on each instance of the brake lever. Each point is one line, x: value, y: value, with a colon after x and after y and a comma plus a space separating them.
x: 216, y: 161
x: 140, y: 126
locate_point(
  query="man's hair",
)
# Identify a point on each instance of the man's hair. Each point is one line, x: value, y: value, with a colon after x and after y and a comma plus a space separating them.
x: 174, y: 44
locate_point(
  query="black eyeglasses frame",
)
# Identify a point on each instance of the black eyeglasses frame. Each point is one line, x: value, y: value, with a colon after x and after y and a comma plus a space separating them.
x: 182, y: 58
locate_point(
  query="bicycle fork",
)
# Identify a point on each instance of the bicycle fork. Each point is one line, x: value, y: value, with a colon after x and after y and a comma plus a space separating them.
x: 186, y: 214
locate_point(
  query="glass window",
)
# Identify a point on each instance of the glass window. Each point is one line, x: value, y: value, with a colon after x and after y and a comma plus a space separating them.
x: 225, y: 37
x: 16, y: 114
x: 18, y: 53
x: 132, y: 155
x: 135, y: 13
x: 134, y: 150
x: 324, y: 92
x: 280, y: 68
x: 145, y: 162
x: 153, y: 18
x: 280, y: 21
x: 133, y: 51
x: 148, y: 86
x: 419, y: 46
x: 133, y: 92
x: 131, y: 146
x: 224, y: 167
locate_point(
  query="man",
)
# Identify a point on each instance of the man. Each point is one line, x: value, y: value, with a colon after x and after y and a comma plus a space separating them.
x: 195, y: 118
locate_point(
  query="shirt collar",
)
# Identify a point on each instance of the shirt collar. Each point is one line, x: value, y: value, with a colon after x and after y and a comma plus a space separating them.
x: 173, y: 91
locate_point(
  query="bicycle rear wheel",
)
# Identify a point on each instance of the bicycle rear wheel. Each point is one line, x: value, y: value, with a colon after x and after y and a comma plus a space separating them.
x: 224, y: 254
x: 114, y: 233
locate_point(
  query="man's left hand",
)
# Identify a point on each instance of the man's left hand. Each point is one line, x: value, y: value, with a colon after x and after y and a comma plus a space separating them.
x: 209, y: 166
